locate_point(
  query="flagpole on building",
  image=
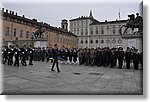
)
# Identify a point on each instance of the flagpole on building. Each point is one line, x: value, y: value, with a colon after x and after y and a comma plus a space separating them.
x: 119, y: 14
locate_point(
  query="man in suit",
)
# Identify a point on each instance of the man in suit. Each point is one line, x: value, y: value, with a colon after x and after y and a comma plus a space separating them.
x: 55, y: 58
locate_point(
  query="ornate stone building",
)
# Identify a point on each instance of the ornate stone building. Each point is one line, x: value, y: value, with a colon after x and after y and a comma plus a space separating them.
x: 92, y: 33
x: 19, y: 30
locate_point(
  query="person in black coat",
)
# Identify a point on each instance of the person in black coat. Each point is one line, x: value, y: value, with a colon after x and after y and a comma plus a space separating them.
x: 120, y: 57
x: 128, y: 57
x: 17, y: 55
x: 24, y: 52
x: 75, y: 55
x: 55, y: 58
x: 112, y: 58
x: 141, y: 58
x: 4, y: 54
x: 136, y: 59
x: 10, y: 55
x: 31, y: 52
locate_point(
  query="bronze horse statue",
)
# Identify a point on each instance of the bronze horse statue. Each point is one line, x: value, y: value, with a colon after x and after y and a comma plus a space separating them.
x: 40, y: 30
x: 133, y: 23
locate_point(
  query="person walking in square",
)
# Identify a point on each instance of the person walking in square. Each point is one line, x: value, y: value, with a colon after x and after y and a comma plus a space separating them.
x: 55, y: 54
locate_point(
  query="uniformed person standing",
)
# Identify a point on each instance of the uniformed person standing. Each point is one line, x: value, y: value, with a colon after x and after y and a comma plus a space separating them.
x: 4, y: 54
x: 55, y: 58
x: 136, y: 59
x: 10, y: 55
x: 75, y: 55
x: 87, y: 56
x: 112, y: 58
x: 80, y: 56
x: 17, y: 54
x: 31, y: 52
x: 120, y: 57
x: 128, y: 57
x: 23, y: 55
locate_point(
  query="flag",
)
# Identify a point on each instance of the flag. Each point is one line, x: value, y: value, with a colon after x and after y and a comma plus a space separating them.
x: 119, y: 14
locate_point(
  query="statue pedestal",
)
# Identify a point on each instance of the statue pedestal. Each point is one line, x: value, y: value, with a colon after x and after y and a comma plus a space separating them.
x: 40, y: 42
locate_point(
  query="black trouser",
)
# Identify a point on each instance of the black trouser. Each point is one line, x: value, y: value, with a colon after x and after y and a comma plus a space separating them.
x: 10, y: 60
x: 112, y: 63
x: 80, y: 60
x: 55, y: 62
x: 120, y: 62
x: 30, y: 59
x: 23, y: 61
x: 128, y: 64
x: 16, y: 61
x: 87, y: 61
x: 136, y: 65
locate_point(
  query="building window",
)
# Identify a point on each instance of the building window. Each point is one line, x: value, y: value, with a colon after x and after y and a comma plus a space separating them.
x: 102, y: 30
x: 114, y: 30
x: 15, y: 32
x: 27, y: 34
x: 81, y: 42
x: 86, y: 31
x: 107, y: 27
x: 21, y: 33
x: 96, y: 41
x: 7, y: 31
x: 91, y: 41
x: 91, y: 30
x: 86, y: 41
x: 61, y: 40
x: 81, y: 31
x: 102, y: 41
x: 96, y: 30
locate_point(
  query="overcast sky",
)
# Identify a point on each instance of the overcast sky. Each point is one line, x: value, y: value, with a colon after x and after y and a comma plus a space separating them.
x: 54, y: 12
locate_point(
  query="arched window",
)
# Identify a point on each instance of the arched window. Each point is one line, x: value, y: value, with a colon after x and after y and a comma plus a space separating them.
x: 96, y: 41
x: 91, y: 41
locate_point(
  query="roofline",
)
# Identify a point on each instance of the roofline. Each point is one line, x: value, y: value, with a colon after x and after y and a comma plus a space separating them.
x: 35, y: 22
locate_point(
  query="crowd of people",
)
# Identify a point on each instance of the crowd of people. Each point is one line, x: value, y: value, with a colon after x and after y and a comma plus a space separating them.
x: 105, y: 57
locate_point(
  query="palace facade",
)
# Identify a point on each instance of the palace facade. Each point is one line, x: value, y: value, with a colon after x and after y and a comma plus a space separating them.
x: 93, y: 33
x: 19, y: 30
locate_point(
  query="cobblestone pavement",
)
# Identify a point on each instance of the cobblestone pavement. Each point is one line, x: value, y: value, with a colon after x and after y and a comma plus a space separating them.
x: 73, y: 79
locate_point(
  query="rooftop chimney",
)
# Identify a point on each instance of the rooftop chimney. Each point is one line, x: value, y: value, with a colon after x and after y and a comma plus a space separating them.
x: 23, y: 16
x: 16, y: 14
x: 2, y: 9
x: 12, y: 12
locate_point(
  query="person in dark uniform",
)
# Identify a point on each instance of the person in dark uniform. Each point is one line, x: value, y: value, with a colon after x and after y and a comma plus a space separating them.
x: 75, y: 55
x: 80, y: 56
x: 87, y: 56
x: 66, y: 55
x: 116, y: 56
x: 5, y: 54
x: 141, y: 59
x: 43, y: 54
x: 104, y: 57
x: 55, y: 58
x: 128, y: 57
x: 112, y: 58
x: 23, y: 55
x: 70, y: 54
x: 10, y: 55
x: 17, y: 54
x: 120, y: 57
x: 136, y: 59
x: 31, y: 52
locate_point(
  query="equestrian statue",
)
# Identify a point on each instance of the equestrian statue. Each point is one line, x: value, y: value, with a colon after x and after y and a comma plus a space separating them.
x: 133, y: 23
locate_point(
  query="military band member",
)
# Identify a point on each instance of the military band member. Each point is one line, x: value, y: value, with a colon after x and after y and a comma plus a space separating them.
x: 17, y: 52
x: 136, y: 59
x: 30, y: 51
x: 4, y: 54
x: 128, y: 57
x: 10, y: 55
x: 75, y: 56
x: 23, y: 55
x: 112, y: 58
x: 120, y: 57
